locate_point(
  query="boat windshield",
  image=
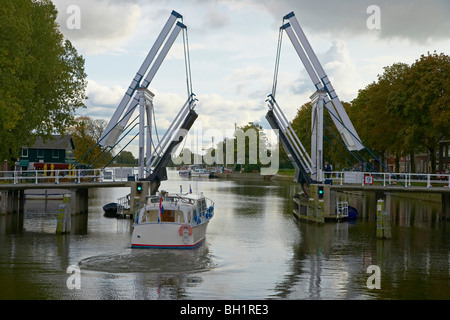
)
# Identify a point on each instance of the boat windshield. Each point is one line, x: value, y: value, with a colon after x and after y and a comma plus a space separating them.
x: 175, y: 199
x: 201, y: 205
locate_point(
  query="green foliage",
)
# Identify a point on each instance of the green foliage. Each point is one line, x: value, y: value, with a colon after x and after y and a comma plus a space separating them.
x: 423, y: 103
x: 86, y: 132
x: 42, y: 77
x: 248, y: 164
x: 333, y: 151
x: 126, y: 158
x: 379, y: 128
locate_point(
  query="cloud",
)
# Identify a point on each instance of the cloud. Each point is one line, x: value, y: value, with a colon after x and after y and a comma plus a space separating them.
x: 103, y: 95
x: 416, y: 20
x: 103, y: 25
x: 250, y: 81
x: 214, y: 18
x: 342, y: 70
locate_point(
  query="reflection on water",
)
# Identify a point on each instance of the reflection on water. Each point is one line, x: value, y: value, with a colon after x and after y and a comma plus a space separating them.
x: 254, y: 249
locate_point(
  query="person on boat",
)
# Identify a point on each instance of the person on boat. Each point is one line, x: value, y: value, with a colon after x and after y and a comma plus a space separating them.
x: 327, y: 170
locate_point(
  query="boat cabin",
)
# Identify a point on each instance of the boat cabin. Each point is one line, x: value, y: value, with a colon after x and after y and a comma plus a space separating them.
x: 185, y: 210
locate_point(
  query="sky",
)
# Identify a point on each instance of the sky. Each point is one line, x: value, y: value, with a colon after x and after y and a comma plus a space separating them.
x: 232, y: 48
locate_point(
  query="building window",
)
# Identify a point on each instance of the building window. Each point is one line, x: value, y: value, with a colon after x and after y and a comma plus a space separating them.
x: 40, y: 153
x: 25, y: 152
x: 55, y: 153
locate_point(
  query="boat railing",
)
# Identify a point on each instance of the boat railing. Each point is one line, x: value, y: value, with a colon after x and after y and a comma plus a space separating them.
x: 123, y: 204
x: 341, y: 209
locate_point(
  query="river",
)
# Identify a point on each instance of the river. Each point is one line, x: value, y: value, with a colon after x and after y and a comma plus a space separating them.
x: 254, y: 249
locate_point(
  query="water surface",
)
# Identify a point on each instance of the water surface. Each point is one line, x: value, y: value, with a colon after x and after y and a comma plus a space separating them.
x: 254, y: 249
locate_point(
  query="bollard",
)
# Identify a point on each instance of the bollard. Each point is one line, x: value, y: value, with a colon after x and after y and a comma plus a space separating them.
x: 63, y: 223
x: 311, y: 209
x: 320, y: 212
x: 383, y: 221
x: 380, y: 209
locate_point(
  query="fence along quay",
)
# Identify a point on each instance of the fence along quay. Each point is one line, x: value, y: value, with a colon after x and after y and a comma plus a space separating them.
x: 13, y: 185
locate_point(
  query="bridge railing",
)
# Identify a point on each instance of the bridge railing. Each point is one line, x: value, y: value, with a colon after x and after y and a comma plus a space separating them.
x: 406, y: 180
x: 112, y: 174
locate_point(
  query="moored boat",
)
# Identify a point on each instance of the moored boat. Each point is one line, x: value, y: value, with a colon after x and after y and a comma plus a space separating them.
x: 172, y: 221
x: 110, y: 209
x: 200, y: 173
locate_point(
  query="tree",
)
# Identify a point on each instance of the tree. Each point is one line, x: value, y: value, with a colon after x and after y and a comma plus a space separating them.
x: 126, y: 158
x: 423, y: 103
x: 42, y: 77
x: 85, y: 134
x: 380, y: 129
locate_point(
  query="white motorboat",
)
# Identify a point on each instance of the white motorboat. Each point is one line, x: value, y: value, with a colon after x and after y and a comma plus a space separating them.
x: 172, y: 221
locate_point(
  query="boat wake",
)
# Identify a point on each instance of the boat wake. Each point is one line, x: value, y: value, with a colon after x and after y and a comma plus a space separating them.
x: 151, y: 261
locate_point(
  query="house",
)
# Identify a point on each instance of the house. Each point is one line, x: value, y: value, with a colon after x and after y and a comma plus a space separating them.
x: 422, y: 161
x: 57, y: 151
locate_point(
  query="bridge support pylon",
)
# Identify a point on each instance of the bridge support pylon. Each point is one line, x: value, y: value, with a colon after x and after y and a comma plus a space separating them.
x: 79, y: 201
x: 319, y: 206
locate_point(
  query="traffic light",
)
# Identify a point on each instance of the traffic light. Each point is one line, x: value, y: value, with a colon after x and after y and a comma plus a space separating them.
x: 139, y: 188
x: 320, y: 192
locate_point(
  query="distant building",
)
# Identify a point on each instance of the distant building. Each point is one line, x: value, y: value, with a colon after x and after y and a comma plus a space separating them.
x: 57, y: 151
x: 422, y: 160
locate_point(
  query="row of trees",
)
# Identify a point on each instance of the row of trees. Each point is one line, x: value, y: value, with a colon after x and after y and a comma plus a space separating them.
x: 407, y: 110
x: 233, y: 151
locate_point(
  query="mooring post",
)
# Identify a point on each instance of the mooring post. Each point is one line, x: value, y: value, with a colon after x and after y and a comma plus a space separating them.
x: 63, y: 224
x: 383, y: 221
x: 380, y: 209
x: 320, y: 212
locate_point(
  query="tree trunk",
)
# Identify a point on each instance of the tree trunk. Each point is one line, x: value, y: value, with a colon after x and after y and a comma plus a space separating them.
x: 432, y: 159
x: 413, y: 162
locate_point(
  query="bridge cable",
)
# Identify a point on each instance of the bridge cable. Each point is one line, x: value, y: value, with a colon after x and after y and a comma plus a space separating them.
x: 337, y: 149
x: 121, y: 150
x: 277, y: 63
x: 187, y: 62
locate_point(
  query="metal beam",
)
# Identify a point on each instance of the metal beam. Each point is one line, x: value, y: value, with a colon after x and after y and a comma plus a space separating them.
x: 321, y: 82
x: 111, y: 134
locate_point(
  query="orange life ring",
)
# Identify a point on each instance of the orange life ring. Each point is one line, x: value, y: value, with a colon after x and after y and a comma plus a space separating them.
x: 185, y: 226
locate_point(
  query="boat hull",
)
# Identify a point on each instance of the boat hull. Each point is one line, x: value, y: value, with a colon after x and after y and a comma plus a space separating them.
x: 168, y: 235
